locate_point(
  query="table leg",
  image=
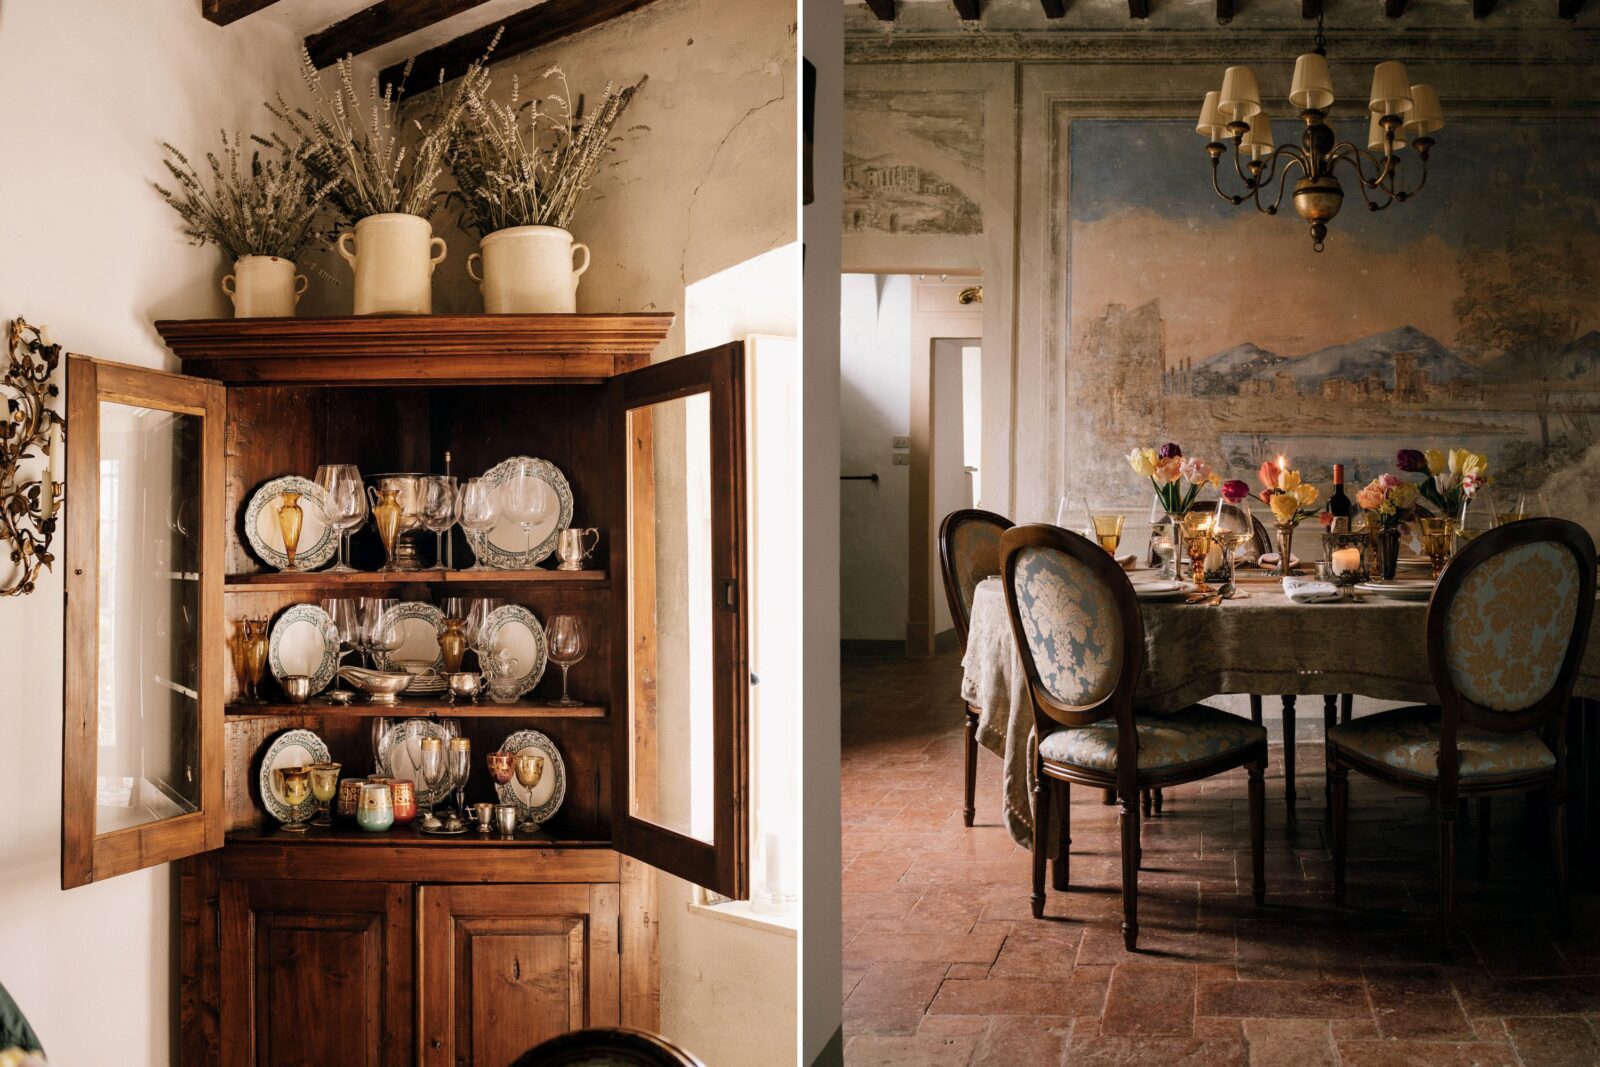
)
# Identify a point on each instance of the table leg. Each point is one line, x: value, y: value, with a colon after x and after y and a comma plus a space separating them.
x: 1330, y: 716
x: 1288, y: 754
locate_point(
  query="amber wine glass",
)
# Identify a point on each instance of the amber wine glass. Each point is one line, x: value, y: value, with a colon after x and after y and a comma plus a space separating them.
x: 1107, y: 530
x: 324, y: 787
x: 1197, y: 527
x: 1437, y: 535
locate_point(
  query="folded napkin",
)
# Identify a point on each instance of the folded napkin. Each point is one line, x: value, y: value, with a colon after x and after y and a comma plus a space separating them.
x: 1309, y: 590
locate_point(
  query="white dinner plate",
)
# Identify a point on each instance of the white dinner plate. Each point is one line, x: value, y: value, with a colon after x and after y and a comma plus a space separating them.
x: 304, y: 641
x: 1400, y: 589
x: 1160, y: 590
x: 318, y: 540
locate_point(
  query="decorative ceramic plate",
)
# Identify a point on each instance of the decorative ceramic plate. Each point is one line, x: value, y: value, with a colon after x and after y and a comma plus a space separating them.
x: 420, y: 625
x: 1160, y: 590
x: 304, y: 641
x: 1402, y: 589
x: 506, y: 547
x: 1268, y: 560
x: 318, y: 540
x: 538, y: 803
x: 292, y: 748
x: 394, y: 758
x: 513, y: 629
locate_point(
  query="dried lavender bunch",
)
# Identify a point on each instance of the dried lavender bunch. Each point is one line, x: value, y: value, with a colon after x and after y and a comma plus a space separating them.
x: 354, y: 139
x: 528, y: 163
x: 266, y: 206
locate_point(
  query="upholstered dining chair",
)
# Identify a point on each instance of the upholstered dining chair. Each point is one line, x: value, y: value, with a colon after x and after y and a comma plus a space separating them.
x: 1506, y: 628
x: 607, y: 1047
x: 1081, y: 640
x: 969, y: 552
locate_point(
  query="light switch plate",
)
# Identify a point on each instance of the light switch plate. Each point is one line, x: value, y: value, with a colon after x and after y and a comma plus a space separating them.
x: 902, y: 442
x: 902, y: 459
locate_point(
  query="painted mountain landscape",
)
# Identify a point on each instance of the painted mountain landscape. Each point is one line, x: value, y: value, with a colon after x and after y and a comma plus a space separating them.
x: 1426, y: 326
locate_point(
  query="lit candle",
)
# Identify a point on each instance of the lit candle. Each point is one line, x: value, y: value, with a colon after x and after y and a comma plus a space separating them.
x: 47, y: 490
x: 44, y: 336
x: 1346, y: 560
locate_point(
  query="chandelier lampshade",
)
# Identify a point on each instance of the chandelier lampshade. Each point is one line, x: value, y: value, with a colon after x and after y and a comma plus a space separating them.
x: 1391, y: 89
x: 1375, y: 137
x: 1312, y: 87
x: 1240, y: 97
x: 1258, y: 142
x: 1213, y: 124
x: 1425, y: 116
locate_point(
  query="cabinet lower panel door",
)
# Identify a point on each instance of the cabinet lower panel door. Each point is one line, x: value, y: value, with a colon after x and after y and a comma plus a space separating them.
x: 505, y: 967
x: 316, y: 973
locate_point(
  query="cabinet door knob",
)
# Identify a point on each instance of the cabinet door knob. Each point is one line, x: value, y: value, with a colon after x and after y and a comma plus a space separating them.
x: 437, y: 1044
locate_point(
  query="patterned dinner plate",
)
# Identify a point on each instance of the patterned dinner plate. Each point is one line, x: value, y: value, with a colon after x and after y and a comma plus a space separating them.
x: 304, y: 641
x: 394, y: 758
x: 292, y: 748
x: 506, y: 546
x: 318, y: 540
x: 421, y: 625
x: 513, y: 629
x: 535, y: 804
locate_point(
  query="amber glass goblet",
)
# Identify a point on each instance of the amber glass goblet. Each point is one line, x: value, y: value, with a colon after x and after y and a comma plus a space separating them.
x: 324, y: 786
x: 1197, y: 527
x: 1437, y: 534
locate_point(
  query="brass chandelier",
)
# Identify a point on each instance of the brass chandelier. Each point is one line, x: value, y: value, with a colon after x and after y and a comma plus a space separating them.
x: 1397, y: 108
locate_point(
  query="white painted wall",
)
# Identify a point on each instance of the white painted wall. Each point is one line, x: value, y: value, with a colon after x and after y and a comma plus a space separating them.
x: 87, y: 91
x: 874, y: 408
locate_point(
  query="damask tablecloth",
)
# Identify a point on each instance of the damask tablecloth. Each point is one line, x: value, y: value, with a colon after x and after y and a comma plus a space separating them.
x: 1262, y: 643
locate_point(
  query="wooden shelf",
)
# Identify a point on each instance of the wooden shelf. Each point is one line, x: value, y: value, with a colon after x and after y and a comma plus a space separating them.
x: 316, y: 580
x: 417, y: 706
x: 406, y: 350
x: 344, y: 834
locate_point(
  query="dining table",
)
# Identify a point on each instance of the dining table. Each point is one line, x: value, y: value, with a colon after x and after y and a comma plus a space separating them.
x: 1260, y: 642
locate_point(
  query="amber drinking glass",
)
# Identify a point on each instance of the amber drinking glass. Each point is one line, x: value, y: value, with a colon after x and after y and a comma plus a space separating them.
x: 324, y: 786
x: 295, y: 783
x: 1197, y: 527
x: 1437, y: 536
x: 1107, y: 530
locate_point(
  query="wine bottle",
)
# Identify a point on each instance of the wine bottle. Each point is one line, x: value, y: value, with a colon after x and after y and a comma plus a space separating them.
x: 1340, y: 506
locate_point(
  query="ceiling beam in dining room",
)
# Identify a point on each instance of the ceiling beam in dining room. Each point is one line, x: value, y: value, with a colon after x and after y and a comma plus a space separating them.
x: 524, y: 31
x: 1568, y: 9
x: 884, y: 9
x: 969, y: 10
x: 1394, y: 8
x: 223, y: 12
x: 1481, y: 8
x: 1310, y: 9
x: 1138, y: 9
x: 1224, y: 11
x: 379, y: 24
x: 1054, y: 9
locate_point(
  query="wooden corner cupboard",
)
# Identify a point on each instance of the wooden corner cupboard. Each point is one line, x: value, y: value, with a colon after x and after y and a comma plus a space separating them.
x: 340, y: 946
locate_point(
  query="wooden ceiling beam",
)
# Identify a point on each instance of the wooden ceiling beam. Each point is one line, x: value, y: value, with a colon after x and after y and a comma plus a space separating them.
x: 223, y: 12
x: 1138, y: 9
x: 1310, y: 9
x: 1394, y: 8
x: 884, y: 9
x: 968, y: 10
x: 379, y: 24
x: 1224, y: 11
x: 1568, y: 9
x: 524, y: 31
x: 1482, y: 8
x: 1054, y: 9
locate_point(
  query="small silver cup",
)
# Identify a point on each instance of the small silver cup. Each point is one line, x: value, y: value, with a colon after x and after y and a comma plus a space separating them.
x: 297, y: 687
x: 465, y: 685
x: 484, y: 813
x: 571, y: 549
x: 505, y: 818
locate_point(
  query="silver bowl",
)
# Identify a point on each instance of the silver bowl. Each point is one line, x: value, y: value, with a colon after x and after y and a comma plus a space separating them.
x: 297, y: 687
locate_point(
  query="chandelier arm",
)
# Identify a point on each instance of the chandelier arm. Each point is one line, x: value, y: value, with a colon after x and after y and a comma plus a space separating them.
x: 1354, y: 157
x: 1290, y: 152
x: 1216, y: 161
x: 1364, y: 187
x: 1296, y: 158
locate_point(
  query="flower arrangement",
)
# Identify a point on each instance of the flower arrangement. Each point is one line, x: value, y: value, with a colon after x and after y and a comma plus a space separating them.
x: 528, y: 163
x: 1450, y: 478
x: 260, y: 206
x: 1290, y: 499
x: 1389, y: 500
x: 21, y: 1057
x: 353, y: 140
x: 1176, y: 478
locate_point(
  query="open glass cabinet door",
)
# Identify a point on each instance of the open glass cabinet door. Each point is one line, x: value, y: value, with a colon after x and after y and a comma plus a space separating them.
x: 141, y: 751
x: 681, y: 767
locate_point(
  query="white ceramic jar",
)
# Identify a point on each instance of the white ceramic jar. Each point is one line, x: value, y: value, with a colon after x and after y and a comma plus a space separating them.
x: 529, y: 269
x: 393, y: 258
x: 264, y: 287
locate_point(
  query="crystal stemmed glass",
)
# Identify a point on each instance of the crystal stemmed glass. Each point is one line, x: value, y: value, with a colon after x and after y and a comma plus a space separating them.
x: 437, y: 510
x: 460, y: 759
x: 477, y: 510
x: 375, y: 634
x: 1233, y: 529
x: 529, y: 769
x: 564, y: 636
x: 432, y: 769
x: 526, y: 499
x: 1478, y: 516
x: 345, y: 505
x: 346, y: 618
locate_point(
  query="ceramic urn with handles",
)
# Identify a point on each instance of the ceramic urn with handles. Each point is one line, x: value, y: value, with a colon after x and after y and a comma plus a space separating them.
x: 393, y: 256
x: 529, y: 270
x: 264, y: 287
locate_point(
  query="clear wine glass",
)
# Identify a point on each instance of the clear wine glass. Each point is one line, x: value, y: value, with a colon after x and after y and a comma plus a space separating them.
x: 437, y: 510
x: 526, y: 499
x: 346, y: 616
x: 563, y: 636
x: 477, y: 510
x: 344, y: 505
x: 373, y: 610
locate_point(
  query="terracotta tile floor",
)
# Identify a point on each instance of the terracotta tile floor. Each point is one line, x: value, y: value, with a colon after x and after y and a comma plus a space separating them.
x: 945, y: 965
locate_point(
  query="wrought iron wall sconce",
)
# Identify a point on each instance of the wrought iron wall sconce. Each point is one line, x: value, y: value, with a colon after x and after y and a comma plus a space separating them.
x: 32, y: 431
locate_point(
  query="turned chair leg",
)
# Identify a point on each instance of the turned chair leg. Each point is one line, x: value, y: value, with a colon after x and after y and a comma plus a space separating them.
x: 1558, y: 851
x: 1128, y: 823
x: 972, y: 766
x: 1041, y: 837
x: 1288, y: 755
x: 1484, y: 815
x: 1346, y: 703
x: 1108, y: 797
x: 1447, y: 877
x: 1061, y: 872
x: 1158, y: 800
x: 1146, y: 802
x: 1255, y: 708
x: 1258, y: 829
x: 1340, y: 777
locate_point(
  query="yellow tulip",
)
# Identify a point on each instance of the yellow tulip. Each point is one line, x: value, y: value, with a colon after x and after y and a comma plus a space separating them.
x: 1284, y: 505
x: 1306, y: 494
x: 1143, y: 461
x: 1288, y: 481
x: 1474, y: 465
x: 1435, y: 460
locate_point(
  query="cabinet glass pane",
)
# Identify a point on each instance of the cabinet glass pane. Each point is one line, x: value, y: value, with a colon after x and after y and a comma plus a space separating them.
x: 671, y: 604
x: 149, y: 608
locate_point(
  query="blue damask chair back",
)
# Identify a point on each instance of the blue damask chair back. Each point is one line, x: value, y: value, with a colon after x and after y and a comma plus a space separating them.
x: 1508, y: 624
x: 1076, y: 623
x: 969, y: 552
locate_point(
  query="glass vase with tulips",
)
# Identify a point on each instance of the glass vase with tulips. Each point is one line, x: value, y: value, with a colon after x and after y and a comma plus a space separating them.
x: 1292, y: 502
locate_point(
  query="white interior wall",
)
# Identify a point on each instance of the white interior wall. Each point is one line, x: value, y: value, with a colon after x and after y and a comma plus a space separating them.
x: 88, y: 90
x: 874, y: 408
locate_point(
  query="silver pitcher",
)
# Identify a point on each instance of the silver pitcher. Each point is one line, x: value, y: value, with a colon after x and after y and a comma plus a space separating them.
x: 570, y: 547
